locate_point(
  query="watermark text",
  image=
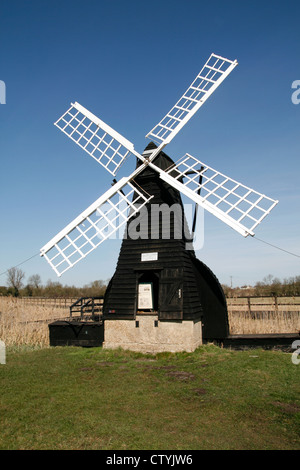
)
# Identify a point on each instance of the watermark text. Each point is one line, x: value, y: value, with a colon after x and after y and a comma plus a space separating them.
x: 296, y: 94
x: 296, y: 354
x: 153, y: 222
x: 2, y: 352
x: 2, y: 92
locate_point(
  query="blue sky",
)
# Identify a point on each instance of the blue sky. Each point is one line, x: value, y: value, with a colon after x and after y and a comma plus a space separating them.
x: 128, y: 62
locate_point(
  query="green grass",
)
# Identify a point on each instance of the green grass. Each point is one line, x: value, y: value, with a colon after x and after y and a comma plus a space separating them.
x: 76, y: 398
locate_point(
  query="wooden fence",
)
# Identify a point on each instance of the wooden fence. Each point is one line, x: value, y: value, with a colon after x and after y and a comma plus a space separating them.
x: 234, y: 304
x: 264, y: 307
x: 246, y: 315
x: 47, y: 302
x: 252, y: 306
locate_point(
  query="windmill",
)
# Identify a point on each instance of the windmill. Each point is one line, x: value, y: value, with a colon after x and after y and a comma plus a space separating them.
x: 238, y: 206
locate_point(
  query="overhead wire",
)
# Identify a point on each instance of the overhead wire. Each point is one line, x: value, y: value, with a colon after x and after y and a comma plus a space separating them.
x: 277, y: 247
x: 255, y: 237
x: 25, y: 261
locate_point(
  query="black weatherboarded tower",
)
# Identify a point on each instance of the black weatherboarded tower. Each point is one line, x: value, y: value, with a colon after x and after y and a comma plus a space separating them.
x: 154, y: 261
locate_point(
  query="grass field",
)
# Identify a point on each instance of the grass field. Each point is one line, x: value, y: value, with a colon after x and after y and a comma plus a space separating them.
x: 76, y: 398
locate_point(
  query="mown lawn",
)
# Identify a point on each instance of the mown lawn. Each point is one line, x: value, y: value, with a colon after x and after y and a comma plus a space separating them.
x: 77, y: 398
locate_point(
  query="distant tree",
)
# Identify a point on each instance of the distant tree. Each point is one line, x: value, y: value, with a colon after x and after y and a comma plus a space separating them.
x: 267, y: 285
x: 95, y: 288
x: 228, y: 291
x: 276, y: 287
x: 53, y: 289
x: 297, y: 285
x: 267, y: 280
x: 258, y: 289
x: 3, y: 290
x: 15, y: 278
x: 291, y: 286
x: 35, y: 281
x: 27, y: 291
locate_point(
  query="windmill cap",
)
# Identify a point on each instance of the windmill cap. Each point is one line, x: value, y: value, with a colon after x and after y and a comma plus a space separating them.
x: 151, y: 146
x: 162, y: 160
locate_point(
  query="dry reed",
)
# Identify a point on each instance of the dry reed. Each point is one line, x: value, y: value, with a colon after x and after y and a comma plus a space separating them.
x: 264, y: 315
x: 241, y: 323
x: 25, y: 323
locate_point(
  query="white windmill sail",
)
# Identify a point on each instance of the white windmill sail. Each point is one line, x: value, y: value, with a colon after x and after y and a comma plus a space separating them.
x: 212, y: 74
x: 235, y: 204
x: 100, y: 141
x: 240, y: 207
x: 95, y: 225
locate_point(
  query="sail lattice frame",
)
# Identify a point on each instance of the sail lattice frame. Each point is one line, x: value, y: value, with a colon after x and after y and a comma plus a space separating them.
x: 96, y: 224
x: 100, y: 141
x: 212, y: 74
x: 239, y: 206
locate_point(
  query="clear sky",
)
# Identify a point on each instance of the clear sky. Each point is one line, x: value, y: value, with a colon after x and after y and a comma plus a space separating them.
x: 128, y: 62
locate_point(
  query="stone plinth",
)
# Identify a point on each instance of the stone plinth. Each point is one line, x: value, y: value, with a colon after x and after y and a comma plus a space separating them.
x: 149, y: 335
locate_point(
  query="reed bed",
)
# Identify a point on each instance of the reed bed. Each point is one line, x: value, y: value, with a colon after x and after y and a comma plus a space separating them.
x: 25, y: 323
x: 263, y: 315
x: 263, y: 323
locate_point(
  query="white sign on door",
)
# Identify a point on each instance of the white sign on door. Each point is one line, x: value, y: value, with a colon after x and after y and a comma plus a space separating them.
x: 145, y: 296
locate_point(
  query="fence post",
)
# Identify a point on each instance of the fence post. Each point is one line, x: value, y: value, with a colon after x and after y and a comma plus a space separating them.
x: 276, y: 304
x: 249, y: 306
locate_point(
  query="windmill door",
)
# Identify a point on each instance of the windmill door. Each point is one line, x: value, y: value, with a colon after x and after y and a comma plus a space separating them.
x: 171, y: 294
x: 147, y: 291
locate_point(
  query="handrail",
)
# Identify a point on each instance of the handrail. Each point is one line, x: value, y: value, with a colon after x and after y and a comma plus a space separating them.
x: 84, y: 302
